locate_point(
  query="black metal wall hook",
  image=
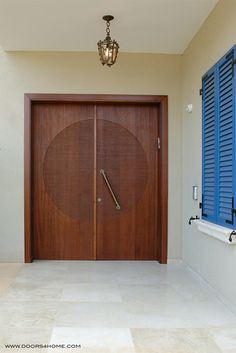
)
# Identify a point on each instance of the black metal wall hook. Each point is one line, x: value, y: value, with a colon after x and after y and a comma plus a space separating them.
x: 231, y: 236
x: 192, y: 219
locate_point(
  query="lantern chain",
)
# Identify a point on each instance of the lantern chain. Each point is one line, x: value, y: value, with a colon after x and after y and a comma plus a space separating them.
x: 108, y: 28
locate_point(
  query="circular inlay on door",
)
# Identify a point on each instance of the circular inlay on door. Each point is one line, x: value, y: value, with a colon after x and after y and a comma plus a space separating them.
x: 69, y: 169
x: 123, y: 159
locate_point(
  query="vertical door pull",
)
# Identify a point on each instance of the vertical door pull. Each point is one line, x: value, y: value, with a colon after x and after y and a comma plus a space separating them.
x: 102, y: 171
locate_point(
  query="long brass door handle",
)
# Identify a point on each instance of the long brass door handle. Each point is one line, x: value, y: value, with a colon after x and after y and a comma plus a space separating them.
x: 102, y: 171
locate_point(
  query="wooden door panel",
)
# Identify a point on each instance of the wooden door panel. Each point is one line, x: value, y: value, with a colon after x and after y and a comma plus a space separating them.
x: 67, y: 170
x: 63, y: 155
x: 123, y: 158
x: 126, y: 150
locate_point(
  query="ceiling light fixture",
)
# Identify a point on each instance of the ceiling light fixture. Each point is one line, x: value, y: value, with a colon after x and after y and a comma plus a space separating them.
x: 108, y: 48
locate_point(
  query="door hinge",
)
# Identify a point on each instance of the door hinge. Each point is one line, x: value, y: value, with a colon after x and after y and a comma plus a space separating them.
x: 158, y: 143
x: 200, y: 92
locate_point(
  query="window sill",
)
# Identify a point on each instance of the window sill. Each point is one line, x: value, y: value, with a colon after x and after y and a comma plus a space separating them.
x: 215, y: 231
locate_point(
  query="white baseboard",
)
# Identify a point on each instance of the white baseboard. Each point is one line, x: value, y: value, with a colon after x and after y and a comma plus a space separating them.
x: 174, y: 261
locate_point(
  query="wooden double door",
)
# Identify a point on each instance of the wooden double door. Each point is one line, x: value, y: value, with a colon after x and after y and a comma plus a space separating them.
x: 95, y: 181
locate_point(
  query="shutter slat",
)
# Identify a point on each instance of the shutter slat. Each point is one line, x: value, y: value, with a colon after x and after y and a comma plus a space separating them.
x: 209, y: 146
x: 225, y: 143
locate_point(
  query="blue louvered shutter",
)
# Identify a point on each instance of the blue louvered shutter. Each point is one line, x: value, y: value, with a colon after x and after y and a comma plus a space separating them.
x: 209, y: 147
x: 226, y: 137
x: 219, y: 145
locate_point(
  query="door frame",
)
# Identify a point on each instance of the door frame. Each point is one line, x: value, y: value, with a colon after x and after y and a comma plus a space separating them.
x: 160, y: 101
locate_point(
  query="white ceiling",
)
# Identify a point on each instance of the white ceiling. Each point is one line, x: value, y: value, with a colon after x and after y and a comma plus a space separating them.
x: 156, y: 26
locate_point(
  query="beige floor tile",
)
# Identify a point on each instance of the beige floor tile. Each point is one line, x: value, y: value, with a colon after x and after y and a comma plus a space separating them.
x: 91, y: 315
x: 50, y: 279
x: 24, y: 336
x: 91, y: 292
x: 225, y: 338
x: 17, y: 292
x: 90, y: 272
x: 4, y: 284
x: 105, y: 340
x: 25, y: 315
x: 173, y: 341
x: 179, y: 314
x: 148, y: 293
x: 9, y: 269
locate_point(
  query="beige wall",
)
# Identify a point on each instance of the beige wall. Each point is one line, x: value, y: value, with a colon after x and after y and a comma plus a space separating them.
x: 214, y: 260
x: 80, y: 73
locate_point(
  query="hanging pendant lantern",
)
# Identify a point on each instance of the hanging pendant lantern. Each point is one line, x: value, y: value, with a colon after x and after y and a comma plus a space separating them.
x: 108, y: 48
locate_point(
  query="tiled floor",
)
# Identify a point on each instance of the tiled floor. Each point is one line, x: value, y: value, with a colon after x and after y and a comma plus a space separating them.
x: 112, y: 307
